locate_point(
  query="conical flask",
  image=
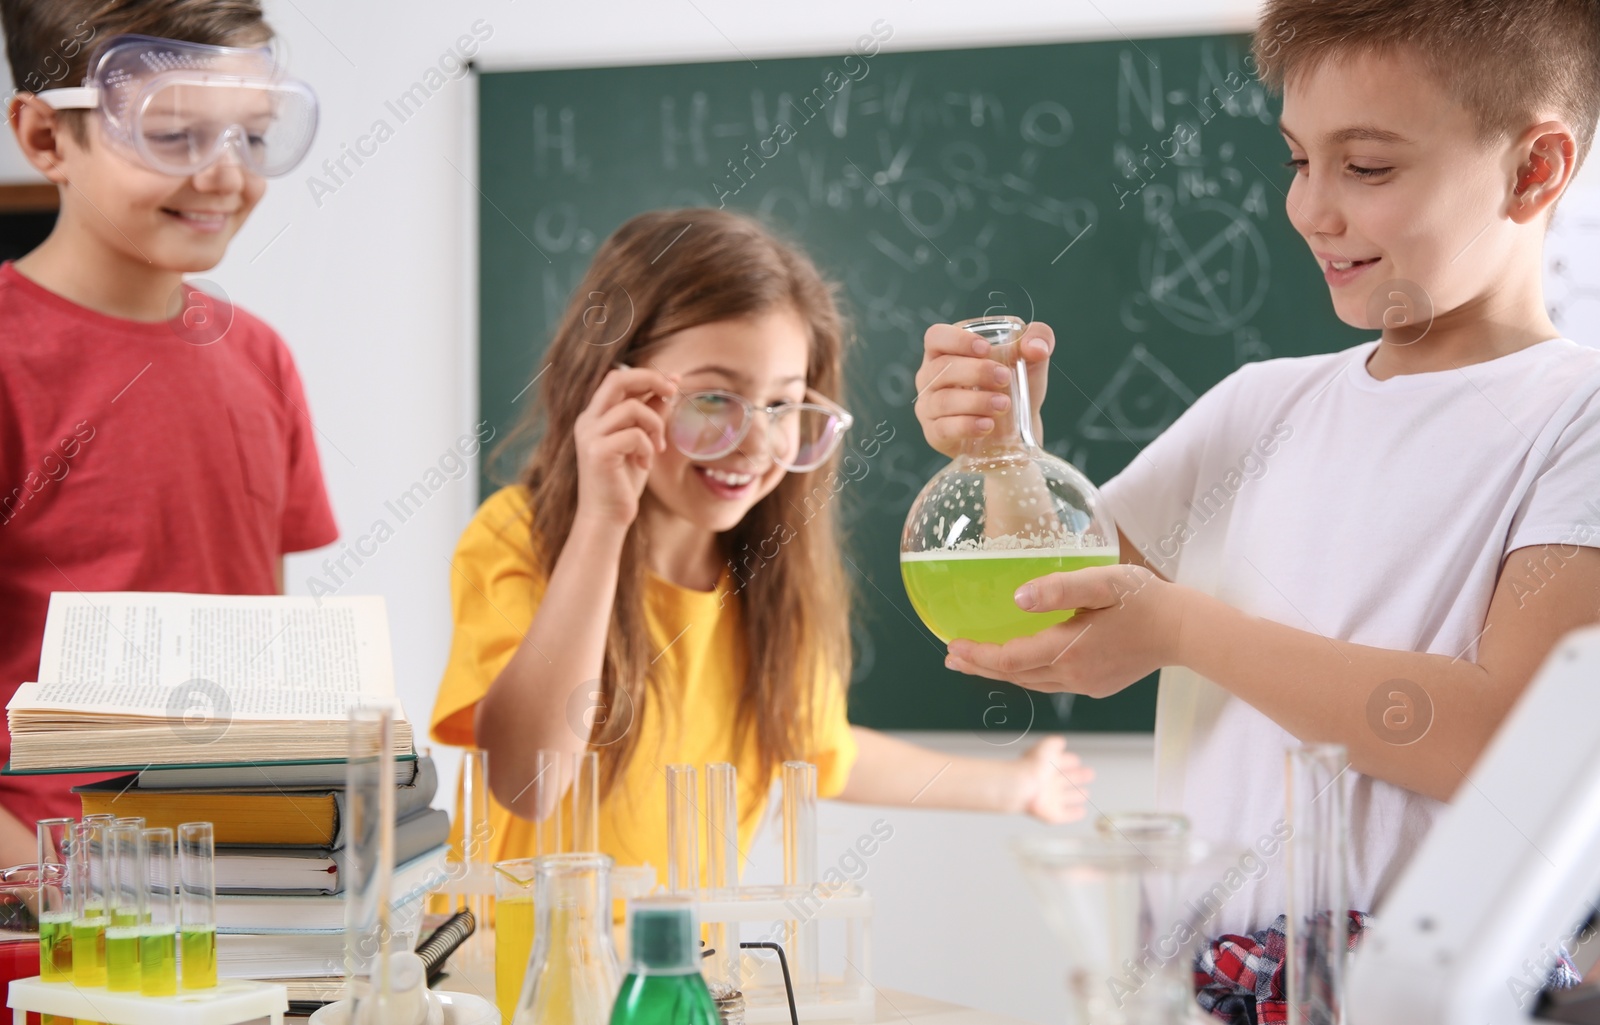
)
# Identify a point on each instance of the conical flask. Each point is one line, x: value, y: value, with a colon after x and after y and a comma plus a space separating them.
x: 1127, y: 903
x: 1002, y: 513
x: 572, y: 974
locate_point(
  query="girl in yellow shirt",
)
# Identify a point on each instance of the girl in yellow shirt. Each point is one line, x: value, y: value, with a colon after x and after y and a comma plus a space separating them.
x: 663, y: 585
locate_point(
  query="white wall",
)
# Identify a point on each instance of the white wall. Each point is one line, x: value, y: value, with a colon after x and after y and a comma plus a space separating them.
x: 373, y: 290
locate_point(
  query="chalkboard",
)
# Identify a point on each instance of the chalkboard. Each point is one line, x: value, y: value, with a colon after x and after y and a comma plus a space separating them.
x: 1130, y: 193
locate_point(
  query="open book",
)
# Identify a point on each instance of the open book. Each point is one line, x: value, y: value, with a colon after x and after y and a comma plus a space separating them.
x: 132, y: 679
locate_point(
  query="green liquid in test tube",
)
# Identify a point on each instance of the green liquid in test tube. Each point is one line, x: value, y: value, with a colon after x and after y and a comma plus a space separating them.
x: 158, y: 935
x: 55, y: 916
x: 89, y: 915
x: 198, y: 907
x: 124, y: 894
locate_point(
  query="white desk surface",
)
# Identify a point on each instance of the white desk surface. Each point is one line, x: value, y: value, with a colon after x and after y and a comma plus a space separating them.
x: 893, y: 1006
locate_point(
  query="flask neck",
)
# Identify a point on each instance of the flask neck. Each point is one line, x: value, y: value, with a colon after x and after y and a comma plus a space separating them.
x: 1013, y: 426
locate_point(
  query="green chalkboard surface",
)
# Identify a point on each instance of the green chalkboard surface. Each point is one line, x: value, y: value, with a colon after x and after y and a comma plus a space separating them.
x: 1130, y: 193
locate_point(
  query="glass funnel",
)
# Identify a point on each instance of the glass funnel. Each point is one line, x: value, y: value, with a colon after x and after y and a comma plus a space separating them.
x: 1120, y: 899
x: 573, y: 975
x: 1002, y: 513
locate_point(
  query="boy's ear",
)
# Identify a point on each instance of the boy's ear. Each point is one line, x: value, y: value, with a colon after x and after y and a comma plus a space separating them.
x: 38, y: 131
x: 1546, y: 158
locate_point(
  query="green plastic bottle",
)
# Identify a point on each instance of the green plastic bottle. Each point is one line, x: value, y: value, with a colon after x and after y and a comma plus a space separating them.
x: 664, y: 985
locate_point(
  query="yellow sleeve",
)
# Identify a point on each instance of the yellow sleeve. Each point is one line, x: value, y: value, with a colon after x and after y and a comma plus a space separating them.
x: 495, y: 586
x: 834, y: 746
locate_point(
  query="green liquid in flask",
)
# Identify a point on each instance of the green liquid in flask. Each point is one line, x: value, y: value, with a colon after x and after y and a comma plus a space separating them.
x: 969, y: 594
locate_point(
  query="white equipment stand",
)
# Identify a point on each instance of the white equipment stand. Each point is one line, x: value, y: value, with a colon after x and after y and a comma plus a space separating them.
x: 1509, y: 871
x: 231, y: 1002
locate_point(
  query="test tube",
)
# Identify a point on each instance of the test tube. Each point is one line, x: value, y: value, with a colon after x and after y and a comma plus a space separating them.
x: 549, y: 784
x: 55, y: 921
x: 158, y: 933
x: 472, y: 803
x: 1316, y: 938
x: 800, y: 866
x: 89, y: 902
x: 369, y: 862
x: 722, y: 874
x: 586, y: 803
x: 197, y: 879
x: 124, y: 892
x: 683, y: 822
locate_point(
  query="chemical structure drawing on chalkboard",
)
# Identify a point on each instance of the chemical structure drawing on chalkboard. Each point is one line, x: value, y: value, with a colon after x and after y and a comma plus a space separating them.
x: 1140, y: 401
x: 1205, y: 267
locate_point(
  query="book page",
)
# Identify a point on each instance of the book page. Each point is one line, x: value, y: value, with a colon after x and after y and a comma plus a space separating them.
x: 265, y: 657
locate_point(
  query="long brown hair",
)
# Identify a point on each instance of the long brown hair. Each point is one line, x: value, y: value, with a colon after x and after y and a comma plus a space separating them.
x: 660, y: 273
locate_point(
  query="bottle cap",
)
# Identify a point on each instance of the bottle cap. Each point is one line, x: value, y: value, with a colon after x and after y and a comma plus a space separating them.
x: 664, y: 936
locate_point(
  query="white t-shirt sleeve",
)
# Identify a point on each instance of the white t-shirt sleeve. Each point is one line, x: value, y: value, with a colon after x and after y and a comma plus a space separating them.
x: 1152, y: 494
x: 1563, y: 504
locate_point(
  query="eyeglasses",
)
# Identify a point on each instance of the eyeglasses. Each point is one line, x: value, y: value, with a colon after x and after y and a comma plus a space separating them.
x: 707, y: 425
x: 179, y: 106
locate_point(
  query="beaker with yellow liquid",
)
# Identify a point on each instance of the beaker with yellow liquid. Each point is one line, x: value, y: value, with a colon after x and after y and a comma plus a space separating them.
x: 1004, y: 512
x: 513, y: 931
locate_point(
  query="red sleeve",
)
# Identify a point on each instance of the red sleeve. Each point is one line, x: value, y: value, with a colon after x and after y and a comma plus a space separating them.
x: 307, y: 515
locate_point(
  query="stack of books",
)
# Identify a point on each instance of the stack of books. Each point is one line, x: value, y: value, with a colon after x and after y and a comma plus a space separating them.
x: 280, y: 903
x: 234, y: 711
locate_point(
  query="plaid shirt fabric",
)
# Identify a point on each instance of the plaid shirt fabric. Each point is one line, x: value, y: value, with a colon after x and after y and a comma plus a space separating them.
x: 1239, y: 979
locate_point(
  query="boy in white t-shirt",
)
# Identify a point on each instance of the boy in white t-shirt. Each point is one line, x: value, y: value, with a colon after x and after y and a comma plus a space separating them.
x: 1376, y: 547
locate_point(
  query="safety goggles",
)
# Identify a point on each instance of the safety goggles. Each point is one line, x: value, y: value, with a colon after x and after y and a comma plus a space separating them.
x: 179, y: 106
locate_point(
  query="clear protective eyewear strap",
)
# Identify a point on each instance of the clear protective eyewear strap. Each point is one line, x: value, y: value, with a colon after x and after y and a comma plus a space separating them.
x: 77, y: 97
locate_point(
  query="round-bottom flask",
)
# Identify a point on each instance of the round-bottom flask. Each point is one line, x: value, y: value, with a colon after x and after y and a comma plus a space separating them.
x: 1002, y: 513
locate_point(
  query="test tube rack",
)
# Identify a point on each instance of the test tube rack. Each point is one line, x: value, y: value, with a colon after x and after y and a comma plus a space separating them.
x: 230, y: 1002
x: 844, y: 996
x: 796, y: 908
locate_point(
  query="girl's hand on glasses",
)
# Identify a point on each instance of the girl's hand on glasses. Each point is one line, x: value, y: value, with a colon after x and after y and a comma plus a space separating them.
x: 959, y: 390
x: 617, y: 437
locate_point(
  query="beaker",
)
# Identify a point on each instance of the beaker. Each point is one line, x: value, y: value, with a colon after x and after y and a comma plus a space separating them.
x: 513, y: 931
x: 1117, y: 900
x: 1004, y: 512
x: 573, y: 975
x: 30, y: 897
x: 1316, y: 938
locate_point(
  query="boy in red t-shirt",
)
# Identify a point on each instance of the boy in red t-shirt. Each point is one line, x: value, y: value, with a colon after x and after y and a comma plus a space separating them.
x: 152, y: 438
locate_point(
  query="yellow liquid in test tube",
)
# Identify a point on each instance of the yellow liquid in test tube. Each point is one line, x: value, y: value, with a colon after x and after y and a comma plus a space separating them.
x: 122, y: 958
x: 89, y: 951
x: 513, y: 944
x: 55, y: 948
x: 199, y: 957
x: 158, y: 962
